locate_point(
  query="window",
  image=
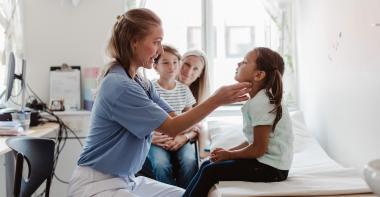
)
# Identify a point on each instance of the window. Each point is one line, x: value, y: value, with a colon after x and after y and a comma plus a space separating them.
x: 244, y: 26
x: 180, y: 20
x: 194, y: 38
x: 2, y: 66
x: 238, y: 26
x: 239, y: 40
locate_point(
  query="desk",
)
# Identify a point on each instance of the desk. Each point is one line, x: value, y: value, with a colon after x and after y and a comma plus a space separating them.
x: 38, y: 131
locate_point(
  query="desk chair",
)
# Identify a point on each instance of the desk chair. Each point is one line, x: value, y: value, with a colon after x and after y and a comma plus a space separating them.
x: 196, y: 148
x: 38, y: 155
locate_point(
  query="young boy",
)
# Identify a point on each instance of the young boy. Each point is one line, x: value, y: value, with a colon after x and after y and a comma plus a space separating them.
x: 172, y: 159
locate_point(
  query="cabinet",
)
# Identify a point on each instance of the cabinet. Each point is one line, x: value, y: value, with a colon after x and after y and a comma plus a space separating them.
x: 78, y: 121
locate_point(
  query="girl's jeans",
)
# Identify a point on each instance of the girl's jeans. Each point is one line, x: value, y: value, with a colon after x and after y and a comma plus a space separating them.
x: 232, y: 170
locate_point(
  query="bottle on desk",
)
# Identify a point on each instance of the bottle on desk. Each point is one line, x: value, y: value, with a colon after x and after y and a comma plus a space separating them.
x: 22, y: 117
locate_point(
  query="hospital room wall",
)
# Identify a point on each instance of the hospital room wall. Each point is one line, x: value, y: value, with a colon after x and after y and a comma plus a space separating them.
x: 338, y: 71
x: 57, y: 32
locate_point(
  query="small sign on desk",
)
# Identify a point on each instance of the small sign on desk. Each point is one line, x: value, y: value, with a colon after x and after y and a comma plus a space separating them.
x: 65, y: 88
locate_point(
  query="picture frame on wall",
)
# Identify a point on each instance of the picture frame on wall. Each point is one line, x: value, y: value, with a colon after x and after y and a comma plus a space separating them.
x: 194, y: 38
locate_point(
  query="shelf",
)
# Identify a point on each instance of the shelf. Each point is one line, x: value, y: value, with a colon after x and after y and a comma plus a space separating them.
x: 73, y: 113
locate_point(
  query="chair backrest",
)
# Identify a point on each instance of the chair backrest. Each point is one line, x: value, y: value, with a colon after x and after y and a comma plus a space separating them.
x: 38, y: 154
x: 196, y: 151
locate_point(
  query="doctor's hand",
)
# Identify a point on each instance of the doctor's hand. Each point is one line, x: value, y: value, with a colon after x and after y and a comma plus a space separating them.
x: 220, y: 154
x: 232, y: 93
x: 160, y: 139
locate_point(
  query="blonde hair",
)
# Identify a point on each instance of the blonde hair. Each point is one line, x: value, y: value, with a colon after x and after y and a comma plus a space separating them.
x: 131, y: 26
x: 200, y: 87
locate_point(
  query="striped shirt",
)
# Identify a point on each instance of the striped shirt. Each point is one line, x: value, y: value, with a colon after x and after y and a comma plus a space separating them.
x: 178, y: 98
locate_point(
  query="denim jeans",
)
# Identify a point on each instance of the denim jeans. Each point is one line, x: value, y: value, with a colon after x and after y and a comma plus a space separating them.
x: 171, y: 167
x: 232, y: 170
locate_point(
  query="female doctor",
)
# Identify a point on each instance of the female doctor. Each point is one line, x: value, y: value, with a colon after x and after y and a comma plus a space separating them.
x: 126, y: 111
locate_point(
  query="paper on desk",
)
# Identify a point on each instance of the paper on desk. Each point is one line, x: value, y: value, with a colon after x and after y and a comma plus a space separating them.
x: 10, y: 128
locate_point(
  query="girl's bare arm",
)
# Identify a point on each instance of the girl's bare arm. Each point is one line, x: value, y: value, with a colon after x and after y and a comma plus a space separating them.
x: 258, y: 147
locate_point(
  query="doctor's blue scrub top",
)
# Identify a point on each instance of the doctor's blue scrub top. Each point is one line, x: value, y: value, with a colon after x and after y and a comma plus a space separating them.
x: 122, y: 120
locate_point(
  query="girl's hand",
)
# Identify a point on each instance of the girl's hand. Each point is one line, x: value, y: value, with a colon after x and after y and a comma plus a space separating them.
x: 220, y: 154
x: 232, y: 93
x: 160, y: 139
x: 196, y: 128
x: 178, y: 142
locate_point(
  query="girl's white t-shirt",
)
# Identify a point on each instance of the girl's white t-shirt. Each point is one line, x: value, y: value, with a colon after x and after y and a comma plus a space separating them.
x: 256, y: 112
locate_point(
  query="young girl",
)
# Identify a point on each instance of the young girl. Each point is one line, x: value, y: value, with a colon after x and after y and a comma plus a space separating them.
x: 172, y: 159
x: 267, y: 155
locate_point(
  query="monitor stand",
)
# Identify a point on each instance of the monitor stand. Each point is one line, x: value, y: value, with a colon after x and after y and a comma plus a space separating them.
x: 2, y: 106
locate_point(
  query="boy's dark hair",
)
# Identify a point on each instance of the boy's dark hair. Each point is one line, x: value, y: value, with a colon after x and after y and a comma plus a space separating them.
x: 169, y: 49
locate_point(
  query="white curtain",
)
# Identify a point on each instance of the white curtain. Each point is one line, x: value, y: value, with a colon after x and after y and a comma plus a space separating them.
x: 11, y: 19
x: 281, y: 13
x: 130, y: 4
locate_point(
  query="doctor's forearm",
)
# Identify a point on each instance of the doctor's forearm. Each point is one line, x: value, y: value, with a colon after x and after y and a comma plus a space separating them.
x: 174, y: 125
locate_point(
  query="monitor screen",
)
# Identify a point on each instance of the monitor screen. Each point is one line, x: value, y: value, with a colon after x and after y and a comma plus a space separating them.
x: 10, y: 76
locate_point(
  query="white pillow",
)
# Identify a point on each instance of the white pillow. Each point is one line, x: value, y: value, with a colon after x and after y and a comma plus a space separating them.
x: 302, y: 136
x: 227, y: 132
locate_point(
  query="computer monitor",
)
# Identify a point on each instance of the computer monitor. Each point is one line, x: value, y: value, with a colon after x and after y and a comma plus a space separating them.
x: 11, y: 76
x: 11, y: 64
